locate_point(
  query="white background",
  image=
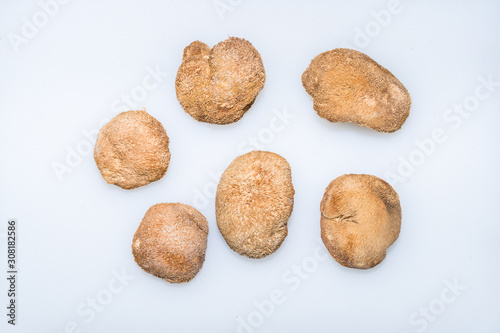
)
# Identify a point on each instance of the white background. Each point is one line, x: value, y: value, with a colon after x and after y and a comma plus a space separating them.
x: 76, y: 232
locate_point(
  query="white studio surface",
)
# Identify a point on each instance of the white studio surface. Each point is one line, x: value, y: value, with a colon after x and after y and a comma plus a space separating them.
x: 75, y: 68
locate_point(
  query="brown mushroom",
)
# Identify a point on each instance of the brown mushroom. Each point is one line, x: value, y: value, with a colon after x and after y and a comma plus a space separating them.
x: 171, y: 242
x: 348, y: 86
x: 254, y: 201
x: 219, y: 85
x: 360, y: 219
x: 131, y: 150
